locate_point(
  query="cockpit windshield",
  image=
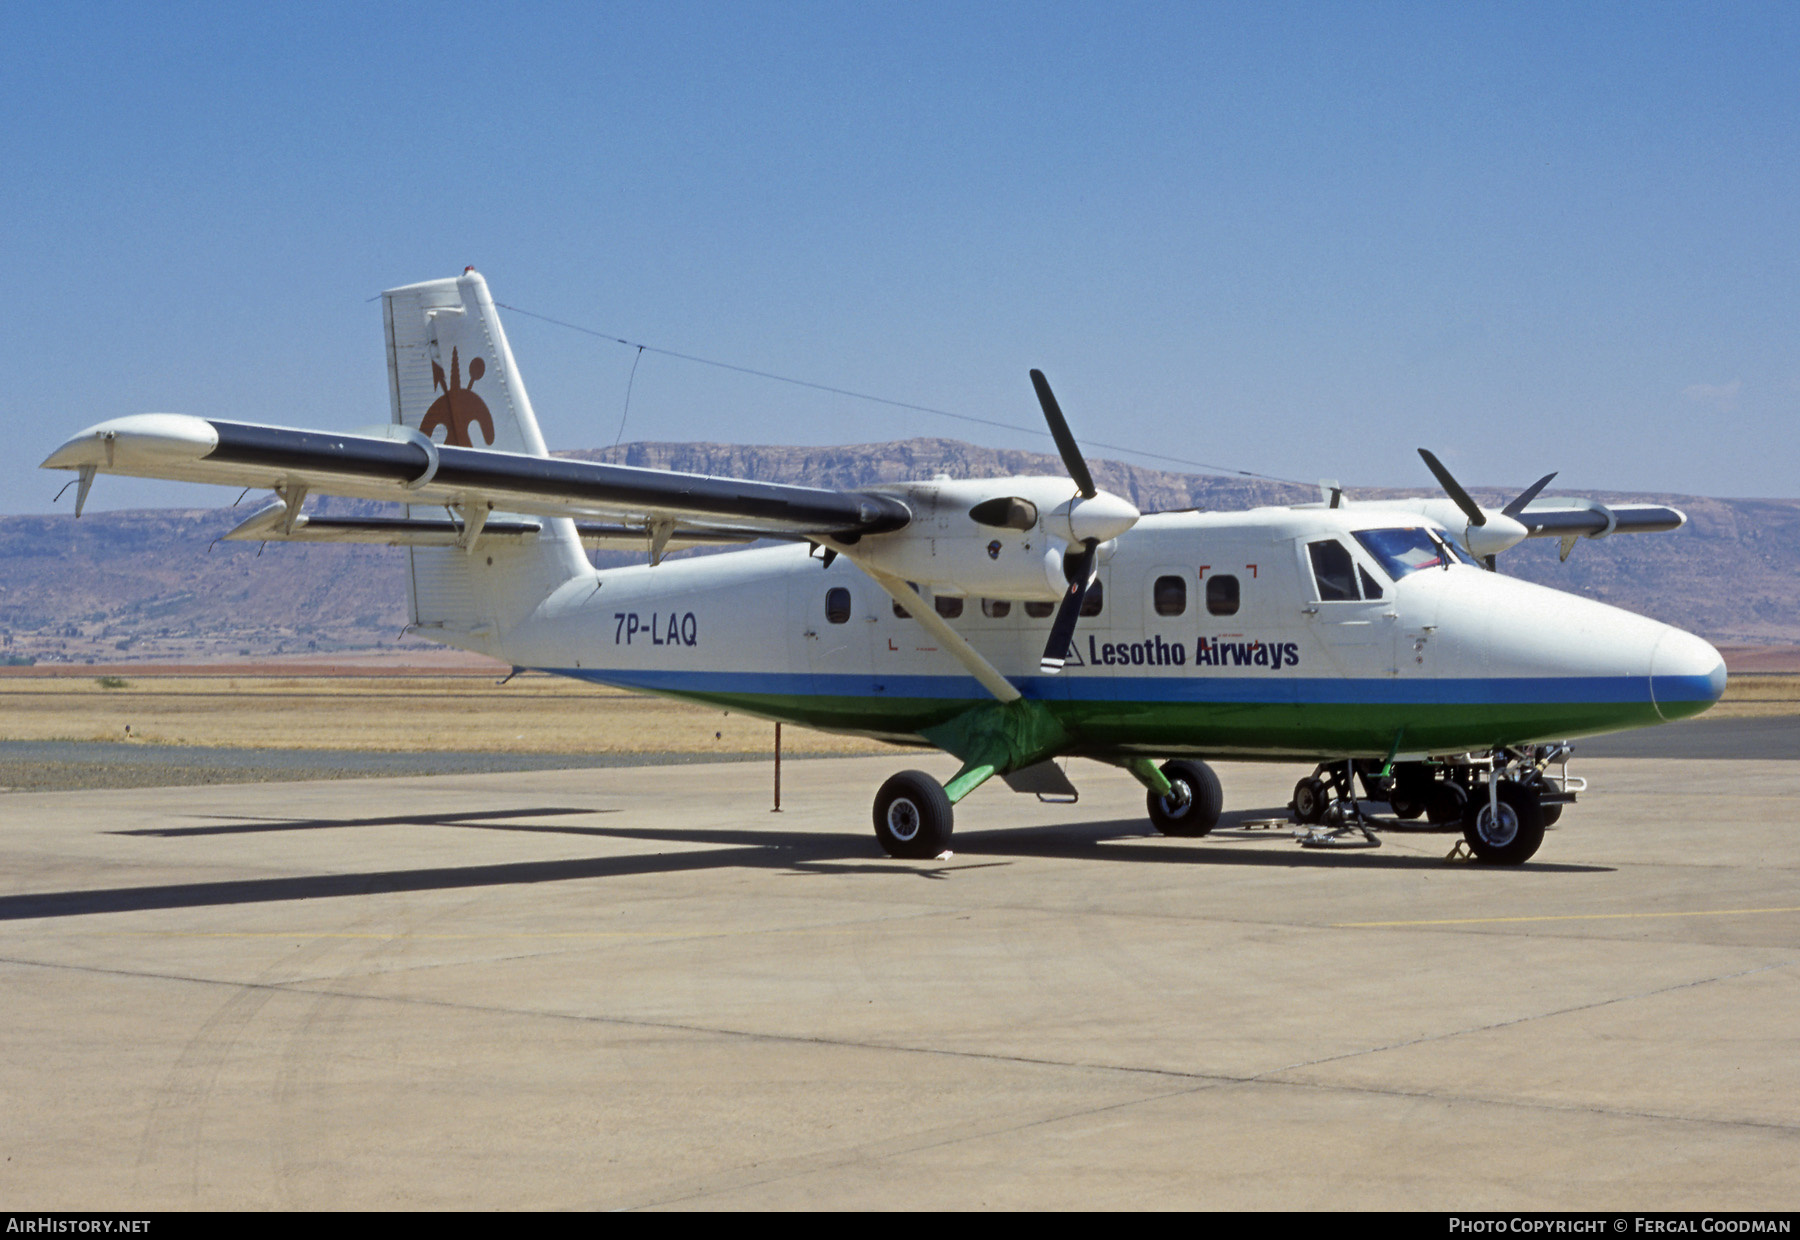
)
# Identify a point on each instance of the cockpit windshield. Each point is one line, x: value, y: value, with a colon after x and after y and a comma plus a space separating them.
x: 1406, y: 551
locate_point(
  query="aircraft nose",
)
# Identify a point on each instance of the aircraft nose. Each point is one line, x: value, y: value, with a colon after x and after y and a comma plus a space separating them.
x: 1686, y: 675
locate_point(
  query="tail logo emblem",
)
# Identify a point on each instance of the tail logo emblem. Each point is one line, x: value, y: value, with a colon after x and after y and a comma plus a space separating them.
x: 458, y: 408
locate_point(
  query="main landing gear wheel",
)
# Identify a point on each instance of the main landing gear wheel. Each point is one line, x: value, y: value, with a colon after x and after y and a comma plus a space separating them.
x: 1511, y: 836
x: 1192, y: 808
x: 1311, y: 799
x: 913, y: 817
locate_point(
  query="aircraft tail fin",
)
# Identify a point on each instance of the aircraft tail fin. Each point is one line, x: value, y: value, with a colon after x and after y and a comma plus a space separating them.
x: 452, y: 377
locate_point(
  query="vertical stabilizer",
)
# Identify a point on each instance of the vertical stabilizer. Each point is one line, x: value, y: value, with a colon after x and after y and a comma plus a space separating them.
x: 452, y: 377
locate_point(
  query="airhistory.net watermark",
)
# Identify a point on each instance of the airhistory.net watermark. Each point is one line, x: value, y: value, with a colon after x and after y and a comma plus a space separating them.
x: 55, y: 1225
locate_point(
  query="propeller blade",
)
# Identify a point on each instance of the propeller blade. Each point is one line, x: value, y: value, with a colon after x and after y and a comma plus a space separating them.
x: 1491, y: 563
x: 1081, y: 567
x: 1065, y: 442
x: 1526, y: 496
x: 1454, y: 490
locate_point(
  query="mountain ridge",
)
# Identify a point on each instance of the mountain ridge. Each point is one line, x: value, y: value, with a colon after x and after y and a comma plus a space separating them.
x: 153, y: 583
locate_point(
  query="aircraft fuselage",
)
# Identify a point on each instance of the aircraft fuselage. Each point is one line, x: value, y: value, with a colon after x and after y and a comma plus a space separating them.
x: 1215, y: 637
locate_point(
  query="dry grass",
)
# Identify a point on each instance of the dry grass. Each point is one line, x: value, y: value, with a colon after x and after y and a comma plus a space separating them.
x: 532, y: 714
x: 1759, y: 693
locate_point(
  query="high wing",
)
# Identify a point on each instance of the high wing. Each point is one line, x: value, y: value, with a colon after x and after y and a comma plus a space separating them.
x: 464, y: 462
x: 461, y: 436
x: 1486, y: 532
x: 400, y: 464
x: 1596, y: 520
x: 271, y: 524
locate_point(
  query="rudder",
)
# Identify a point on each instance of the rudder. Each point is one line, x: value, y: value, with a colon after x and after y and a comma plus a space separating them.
x: 452, y: 377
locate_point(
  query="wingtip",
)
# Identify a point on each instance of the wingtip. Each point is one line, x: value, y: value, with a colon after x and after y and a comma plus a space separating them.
x: 157, y: 436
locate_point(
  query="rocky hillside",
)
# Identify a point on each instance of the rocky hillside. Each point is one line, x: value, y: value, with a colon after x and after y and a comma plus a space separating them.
x: 137, y: 584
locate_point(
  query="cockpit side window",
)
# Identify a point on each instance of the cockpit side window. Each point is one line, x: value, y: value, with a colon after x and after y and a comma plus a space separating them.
x: 1333, y: 569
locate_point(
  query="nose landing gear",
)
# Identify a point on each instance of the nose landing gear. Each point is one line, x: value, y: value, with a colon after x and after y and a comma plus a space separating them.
x: 1502, y: 801
x: 1507, y: 826
x: 1509, y: 810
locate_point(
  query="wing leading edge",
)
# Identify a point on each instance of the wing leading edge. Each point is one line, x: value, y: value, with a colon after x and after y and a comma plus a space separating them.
x: 400, y: 465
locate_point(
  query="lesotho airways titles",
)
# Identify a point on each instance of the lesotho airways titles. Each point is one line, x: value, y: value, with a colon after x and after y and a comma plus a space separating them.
x: 1008, y: 621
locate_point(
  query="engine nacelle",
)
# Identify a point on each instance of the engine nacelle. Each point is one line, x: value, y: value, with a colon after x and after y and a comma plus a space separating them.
x: 995, y: 538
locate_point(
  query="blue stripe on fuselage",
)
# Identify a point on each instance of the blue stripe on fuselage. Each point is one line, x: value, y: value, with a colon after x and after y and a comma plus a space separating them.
x: 1302, y: 690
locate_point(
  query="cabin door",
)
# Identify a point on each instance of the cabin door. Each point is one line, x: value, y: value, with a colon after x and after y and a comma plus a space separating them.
x: 1351, y: 621
x: 834, y: 614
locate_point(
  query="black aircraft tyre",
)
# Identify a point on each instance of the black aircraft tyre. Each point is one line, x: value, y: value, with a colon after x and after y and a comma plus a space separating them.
x: 1194, y: 809
x: 1311, y: 799
x: 1551, y: 814
x: 913, y: 818
x: 1409, y: 789
x: 1446, y: 804
x: 1512, y: 837
x: 1404, y: 808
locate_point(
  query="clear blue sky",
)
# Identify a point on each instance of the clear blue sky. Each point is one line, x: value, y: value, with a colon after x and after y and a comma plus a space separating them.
x: 1299, y: 240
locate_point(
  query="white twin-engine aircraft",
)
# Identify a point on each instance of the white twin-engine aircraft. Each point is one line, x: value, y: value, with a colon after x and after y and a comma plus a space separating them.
x: 1007, y: 621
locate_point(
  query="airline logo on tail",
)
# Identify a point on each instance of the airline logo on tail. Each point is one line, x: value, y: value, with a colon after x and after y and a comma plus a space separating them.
x: 458, y: 408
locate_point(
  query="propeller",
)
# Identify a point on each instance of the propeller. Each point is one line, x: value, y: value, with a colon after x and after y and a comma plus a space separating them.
x: 1093, y: 517
x: 1065, y: 442
x: 1081, y: 567
x: 1453, y: 489
x: 1527, y: 495
x: 1497, y: 530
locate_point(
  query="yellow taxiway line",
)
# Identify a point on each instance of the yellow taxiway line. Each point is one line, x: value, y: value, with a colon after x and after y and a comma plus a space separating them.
x: 1488, y: 921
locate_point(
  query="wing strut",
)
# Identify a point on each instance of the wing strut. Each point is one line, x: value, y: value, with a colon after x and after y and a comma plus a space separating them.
x: 949, y: 638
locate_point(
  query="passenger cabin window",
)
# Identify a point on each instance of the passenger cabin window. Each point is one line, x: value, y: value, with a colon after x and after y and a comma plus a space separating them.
x: 1170, y: 596
x: 837, y: 605
x: 1334, y: 570
x: 900, y: 613
x: 1040, y: 611
x: 995, y: 608
x: 1095, y: 600
x: 947, y: 607
x: 1222, y: 595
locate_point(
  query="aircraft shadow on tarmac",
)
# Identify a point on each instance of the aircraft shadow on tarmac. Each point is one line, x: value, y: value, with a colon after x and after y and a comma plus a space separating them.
x: 237, y: 825
x: 847, y: 854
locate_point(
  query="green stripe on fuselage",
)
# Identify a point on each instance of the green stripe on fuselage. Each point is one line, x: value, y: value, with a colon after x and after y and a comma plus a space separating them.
x: 1222, y: 729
